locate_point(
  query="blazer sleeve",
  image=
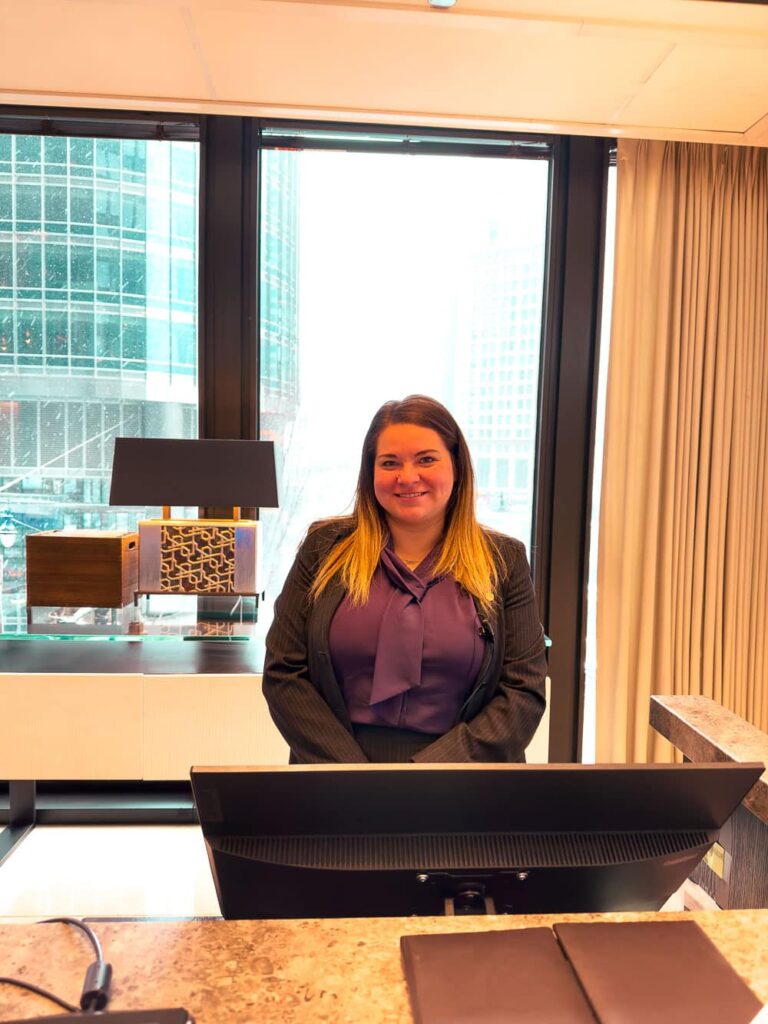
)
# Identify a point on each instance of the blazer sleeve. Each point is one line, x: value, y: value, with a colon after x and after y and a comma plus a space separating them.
x: 504, y: 726
x: 303, y: 716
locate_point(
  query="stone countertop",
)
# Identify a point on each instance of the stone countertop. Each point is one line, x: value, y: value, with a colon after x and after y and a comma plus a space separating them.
x: 274, y: 972
x: 705, y: 731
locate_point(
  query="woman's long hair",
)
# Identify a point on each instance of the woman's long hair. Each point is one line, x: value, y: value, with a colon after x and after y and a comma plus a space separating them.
x: 466, y: 552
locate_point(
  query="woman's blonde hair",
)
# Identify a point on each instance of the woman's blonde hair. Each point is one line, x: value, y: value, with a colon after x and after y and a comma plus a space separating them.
x: 466, y: 552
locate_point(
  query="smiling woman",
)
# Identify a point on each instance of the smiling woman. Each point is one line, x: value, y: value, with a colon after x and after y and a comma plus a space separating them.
x: 406, y: 631
x: 413, y: 479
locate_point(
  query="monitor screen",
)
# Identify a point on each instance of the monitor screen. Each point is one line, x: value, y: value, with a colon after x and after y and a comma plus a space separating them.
x: 397, y: 840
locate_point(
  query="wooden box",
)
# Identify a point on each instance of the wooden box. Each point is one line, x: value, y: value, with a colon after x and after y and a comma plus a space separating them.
x: 76, y: 568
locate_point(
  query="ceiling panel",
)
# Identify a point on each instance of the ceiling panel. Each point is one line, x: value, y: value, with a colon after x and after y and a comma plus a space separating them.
x: 705, y: 87
x: 318, y: 55
x: 78, y: 46
x: 655, y: 68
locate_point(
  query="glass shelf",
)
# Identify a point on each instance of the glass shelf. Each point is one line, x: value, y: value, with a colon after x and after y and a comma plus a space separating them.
x: 155, y: 617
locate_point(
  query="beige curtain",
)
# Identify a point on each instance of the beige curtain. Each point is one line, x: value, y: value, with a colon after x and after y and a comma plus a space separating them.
x: 683, y: 549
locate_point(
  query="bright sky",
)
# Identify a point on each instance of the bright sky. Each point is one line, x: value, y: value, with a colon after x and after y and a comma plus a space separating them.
x: 384, y: 245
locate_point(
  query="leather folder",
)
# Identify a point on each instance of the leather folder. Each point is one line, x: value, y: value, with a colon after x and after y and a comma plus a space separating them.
x: 655, y: 972
x: 492, y: 978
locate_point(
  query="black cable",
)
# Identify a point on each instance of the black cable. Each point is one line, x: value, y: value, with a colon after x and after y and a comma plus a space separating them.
x: 39, y: 991
x: 98, y: 976
x: 77, y: 923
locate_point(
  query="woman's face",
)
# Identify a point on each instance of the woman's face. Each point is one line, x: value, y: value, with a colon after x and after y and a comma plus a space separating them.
x: 413, y: 475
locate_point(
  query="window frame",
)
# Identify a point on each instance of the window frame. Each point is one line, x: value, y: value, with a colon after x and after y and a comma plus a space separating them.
x: 228, y: 320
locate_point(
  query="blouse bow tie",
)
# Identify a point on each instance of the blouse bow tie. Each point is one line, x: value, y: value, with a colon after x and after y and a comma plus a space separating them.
x: 400, y: 645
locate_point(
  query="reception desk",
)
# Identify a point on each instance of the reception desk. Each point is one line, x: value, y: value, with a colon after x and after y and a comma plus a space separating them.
x: 276, y: 972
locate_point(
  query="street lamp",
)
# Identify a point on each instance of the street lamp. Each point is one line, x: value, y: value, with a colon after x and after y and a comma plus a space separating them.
x: 8, y: 530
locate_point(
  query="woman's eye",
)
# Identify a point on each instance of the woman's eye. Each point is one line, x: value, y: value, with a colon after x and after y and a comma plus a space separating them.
x: 427, y: 460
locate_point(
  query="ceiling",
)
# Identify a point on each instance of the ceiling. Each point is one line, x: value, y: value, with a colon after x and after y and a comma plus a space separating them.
x: 679, y: 69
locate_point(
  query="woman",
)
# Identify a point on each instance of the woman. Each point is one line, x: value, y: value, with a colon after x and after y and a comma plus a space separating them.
x: 406, y: 631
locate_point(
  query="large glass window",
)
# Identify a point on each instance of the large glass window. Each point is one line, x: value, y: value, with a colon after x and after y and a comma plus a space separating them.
x: 385, y: 274
x: 74, y: 307
x: 589, y: 737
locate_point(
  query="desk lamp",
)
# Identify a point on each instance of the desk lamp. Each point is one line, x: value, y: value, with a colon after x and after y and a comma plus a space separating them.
x: 196, y: 556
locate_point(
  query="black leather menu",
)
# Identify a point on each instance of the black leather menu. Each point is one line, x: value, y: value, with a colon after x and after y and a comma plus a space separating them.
x: 492, y: 978
x: 655, y: 972
x: 645, y: 972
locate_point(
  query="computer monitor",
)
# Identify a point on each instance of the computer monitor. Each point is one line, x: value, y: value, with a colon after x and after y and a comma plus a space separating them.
x: 308, y: 841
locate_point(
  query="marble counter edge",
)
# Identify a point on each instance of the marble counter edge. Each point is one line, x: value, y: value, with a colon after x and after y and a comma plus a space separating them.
x: 705, y: 731
x: 273, y: 972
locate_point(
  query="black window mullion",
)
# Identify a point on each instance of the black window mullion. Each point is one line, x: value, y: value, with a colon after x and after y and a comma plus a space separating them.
x: 228, y: 279
x: 567, y: 426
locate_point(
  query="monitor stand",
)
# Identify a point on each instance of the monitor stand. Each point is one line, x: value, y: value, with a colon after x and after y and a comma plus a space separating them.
x: 469, y: 899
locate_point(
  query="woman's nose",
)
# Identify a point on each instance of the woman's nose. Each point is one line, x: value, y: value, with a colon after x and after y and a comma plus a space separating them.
x: 408, y: 472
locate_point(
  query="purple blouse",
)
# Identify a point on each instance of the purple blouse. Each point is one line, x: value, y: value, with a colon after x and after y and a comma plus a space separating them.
x: 407, y: 658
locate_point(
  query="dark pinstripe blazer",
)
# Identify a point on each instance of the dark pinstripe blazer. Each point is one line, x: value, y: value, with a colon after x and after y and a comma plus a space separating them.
x: 496, y: 721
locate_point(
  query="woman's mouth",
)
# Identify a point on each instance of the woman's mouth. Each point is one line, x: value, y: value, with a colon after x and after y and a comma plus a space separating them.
x: 410, y: 495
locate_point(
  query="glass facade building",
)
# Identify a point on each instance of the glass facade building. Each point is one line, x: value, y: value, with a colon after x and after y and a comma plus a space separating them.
x: 496, y: 397
x: 98, y: 324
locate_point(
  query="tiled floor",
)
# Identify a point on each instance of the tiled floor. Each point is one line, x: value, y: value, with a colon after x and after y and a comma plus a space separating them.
x: 108, y: 871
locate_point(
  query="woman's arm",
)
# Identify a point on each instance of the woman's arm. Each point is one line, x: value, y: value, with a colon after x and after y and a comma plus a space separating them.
x: 503, y: 728
x: 304, y: 718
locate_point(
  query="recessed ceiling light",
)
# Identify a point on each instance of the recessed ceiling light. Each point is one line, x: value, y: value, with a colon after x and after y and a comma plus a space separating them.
x: 441, y: 3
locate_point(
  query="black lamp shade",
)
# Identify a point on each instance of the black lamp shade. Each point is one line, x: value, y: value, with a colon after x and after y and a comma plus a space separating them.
x: 163, y: 471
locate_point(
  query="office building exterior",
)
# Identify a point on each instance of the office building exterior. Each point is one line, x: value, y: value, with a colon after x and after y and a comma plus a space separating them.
x: 98, y: 334
x: 98, y: 321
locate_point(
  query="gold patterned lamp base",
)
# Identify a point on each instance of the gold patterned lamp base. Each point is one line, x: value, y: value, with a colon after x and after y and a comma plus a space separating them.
x: 199, y: 556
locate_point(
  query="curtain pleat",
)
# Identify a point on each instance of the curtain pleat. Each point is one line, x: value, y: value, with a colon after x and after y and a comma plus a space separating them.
x: 683, y: 543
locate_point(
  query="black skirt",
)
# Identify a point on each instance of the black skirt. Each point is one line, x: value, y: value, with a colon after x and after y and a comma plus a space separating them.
x: 386, y: 745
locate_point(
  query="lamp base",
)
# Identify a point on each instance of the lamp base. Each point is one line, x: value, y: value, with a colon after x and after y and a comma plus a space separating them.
x: 199, y: 556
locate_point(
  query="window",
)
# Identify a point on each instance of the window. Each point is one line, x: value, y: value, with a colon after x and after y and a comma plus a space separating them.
x: 55, y: 155
x: 135, y: 344
x: 81, y: 157
x: 28, y: 150
x: 589, y: 741
x: 57, y: 338
x: 55, y: 204
x: 108, y: 272
x: 76, y: 308
x: 81, y: 201
x: 107, y: 207
x: 28, y: 205
x: 134, y: 211
x: 107, y: 342
x: 134, y: 269
x: 6, y: 267
x: 82, y: 342
x: 55, y: 267
x: 344, y: 269
x: 81, y: 266
x: 364, y: 268
x: 29, y: 266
